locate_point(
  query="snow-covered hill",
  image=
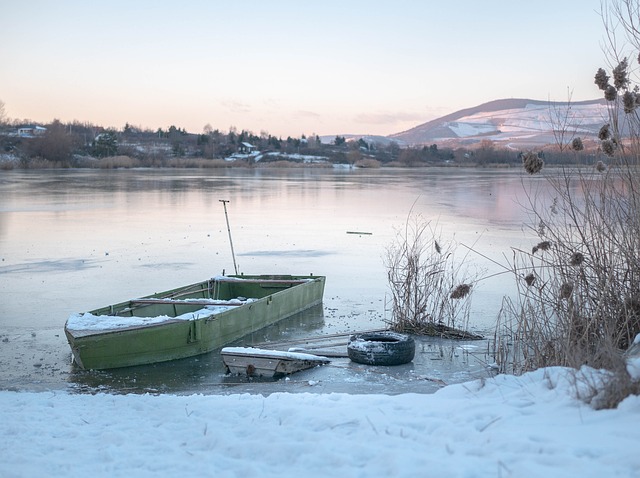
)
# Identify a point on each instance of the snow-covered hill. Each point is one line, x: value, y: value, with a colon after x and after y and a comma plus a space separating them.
x: 515, y: 122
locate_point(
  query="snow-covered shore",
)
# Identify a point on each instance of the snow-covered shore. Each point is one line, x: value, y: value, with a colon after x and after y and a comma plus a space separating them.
x: 528, y: 426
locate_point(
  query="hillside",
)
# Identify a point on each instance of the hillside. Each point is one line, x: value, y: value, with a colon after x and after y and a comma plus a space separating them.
x: 512, y: 122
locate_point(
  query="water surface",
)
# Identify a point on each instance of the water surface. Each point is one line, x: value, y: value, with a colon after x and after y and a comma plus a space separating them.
x: 76, y: 240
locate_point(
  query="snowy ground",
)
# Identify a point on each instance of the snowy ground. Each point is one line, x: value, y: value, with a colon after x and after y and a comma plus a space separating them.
x: 528, y: 426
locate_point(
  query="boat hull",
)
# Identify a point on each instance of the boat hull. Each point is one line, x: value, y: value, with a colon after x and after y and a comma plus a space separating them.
x: 274, y: 298
x: 267, y: 363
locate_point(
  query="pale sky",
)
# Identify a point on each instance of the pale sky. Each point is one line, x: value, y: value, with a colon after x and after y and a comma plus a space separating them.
x: 290, y: 67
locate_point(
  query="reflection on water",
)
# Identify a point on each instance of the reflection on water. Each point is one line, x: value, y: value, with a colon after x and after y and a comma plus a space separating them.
x: 300, y: 252
x: 46, y: 266
x: 72, y: 241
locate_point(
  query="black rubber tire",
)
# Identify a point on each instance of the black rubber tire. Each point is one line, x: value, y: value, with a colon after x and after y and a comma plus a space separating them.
x: 381, y: 348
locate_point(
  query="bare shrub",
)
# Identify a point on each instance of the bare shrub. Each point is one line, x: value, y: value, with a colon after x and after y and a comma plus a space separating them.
x: 431, y: 292
x: 368, y: 163
x: 581, y: 301
x: 6, y: 165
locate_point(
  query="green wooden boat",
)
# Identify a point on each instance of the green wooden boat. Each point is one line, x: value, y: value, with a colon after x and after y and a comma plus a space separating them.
x: 187, y: 321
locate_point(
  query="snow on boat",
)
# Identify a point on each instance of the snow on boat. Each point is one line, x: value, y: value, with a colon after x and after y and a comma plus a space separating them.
x: 187, y: 321
x: 255, y: 362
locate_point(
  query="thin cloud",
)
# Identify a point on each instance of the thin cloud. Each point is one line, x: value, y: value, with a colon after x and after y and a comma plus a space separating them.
x: 388, y: 118
x: 272, y: 103
x: 306, y: 114
x: 236, y: 106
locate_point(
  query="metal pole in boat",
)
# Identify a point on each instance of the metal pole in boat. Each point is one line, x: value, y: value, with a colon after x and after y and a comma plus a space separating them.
x: 224, y: 203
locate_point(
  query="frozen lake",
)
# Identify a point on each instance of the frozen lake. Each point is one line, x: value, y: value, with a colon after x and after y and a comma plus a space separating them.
x: 72, y: 241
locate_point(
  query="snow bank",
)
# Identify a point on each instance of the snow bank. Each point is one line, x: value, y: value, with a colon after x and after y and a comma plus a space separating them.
x: 529, y: 426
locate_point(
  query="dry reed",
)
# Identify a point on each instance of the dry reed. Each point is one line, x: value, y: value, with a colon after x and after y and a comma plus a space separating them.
x: 431, y: 292
x: 582, y: 307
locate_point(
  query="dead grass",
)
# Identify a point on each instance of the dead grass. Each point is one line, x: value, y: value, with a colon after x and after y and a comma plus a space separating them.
x: 285, y: 163
x: 198, y: 163
x: 116, y: 162
x: 614, y: 390
x: 126, y: 162
x: 41, y: 163
x: 368, y: 163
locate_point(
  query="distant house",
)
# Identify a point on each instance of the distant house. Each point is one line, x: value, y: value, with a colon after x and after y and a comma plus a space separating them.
x: 31, y: 131
x: 246, y: 148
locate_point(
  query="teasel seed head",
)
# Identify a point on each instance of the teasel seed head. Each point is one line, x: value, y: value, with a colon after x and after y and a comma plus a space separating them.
x: 610, y: 94
x: 576, y: 259
x: 576, y: 144
x: 608, y: 147
x: 461, y: 291
x: 604, y: 132
x: 620, y: 75
x: 532, y: 162
x: 601, y: 79
x: 565, y: 290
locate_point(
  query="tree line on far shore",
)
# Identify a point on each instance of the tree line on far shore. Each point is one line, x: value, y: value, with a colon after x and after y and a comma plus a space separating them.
x: 76, y: 144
